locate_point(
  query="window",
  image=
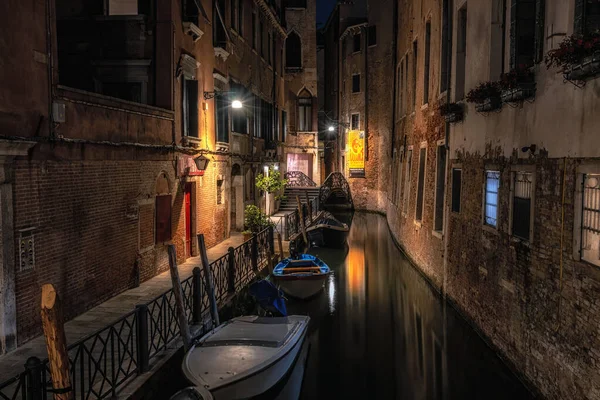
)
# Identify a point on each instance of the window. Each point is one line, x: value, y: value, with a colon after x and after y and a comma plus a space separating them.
x: 523, y: 32
x: 122, y: 7
x: 440, y: 188
x: 414, y: 74
x: 356, y: 83
x: 220, y: 191
x: 254, y: 31
x: 456, y: 189
x: 461, y: 54
x: 240, y: 15
x: 446, y: 44
x: 219, y: 31
x: 590, y: 219
x: 521, y: 207
x: 222, y: 119
x: 190, y: 107
x: 239, y: 121
x: 421, y: 183
x: 284, y: 127
x: 427, y: 58
x: 407, y: 179
x: 355, y: 124
x: 305, y: 112
x: 293, y: 51
x: 192, y: 11
x: 233, y: 9
x: 356, y: 43
x: 587, y: 16
x: 163, y: 218
x: 492, y: 186
x: 372, y: 35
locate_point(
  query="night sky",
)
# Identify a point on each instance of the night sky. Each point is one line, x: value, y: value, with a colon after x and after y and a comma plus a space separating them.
x: 324, y: 8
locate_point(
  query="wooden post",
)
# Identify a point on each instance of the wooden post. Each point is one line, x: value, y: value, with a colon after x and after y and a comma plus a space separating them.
x: 281, y: 255
x: 210, y: 288
x: 308, y: 206
x: 184, y: 329
x: 197, y: 296
x: 301, y: 219
x: 270, y: 264
x: 231, y: 270
x: 56, y: 343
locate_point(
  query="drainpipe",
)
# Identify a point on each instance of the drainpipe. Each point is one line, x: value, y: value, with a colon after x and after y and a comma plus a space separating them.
x: 394, y: 71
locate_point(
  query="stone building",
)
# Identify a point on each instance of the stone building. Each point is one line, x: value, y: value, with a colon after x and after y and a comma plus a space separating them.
x: 359, y: 47
x: 119, y: 135
x: 498, y: 209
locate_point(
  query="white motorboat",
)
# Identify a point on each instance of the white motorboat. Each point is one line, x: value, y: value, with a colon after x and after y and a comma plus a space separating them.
x: 246, y: 356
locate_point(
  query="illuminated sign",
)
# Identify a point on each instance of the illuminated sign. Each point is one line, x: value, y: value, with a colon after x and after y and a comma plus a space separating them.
x: 356, y: 153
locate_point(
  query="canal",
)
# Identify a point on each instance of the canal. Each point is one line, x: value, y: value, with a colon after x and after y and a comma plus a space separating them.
x: 379, y: 331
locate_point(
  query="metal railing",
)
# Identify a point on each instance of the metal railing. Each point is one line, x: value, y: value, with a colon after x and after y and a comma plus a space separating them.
x: 336, y: 188
x: 292, y: 220
x: 298, y: 179
x: 107, y: 359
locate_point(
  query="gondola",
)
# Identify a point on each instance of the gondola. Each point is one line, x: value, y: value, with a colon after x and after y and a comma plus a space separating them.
x: 327, y: 231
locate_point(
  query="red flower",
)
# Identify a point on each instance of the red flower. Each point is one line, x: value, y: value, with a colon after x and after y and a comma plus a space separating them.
x: 580, y: 42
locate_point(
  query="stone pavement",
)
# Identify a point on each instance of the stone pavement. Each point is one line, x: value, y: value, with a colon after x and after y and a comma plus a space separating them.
x: 106, y: 313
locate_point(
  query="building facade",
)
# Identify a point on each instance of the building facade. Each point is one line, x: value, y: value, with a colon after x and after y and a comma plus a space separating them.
x: 121, y: 133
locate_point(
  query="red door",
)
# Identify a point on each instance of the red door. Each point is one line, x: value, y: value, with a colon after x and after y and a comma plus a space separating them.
x: 188, y: 219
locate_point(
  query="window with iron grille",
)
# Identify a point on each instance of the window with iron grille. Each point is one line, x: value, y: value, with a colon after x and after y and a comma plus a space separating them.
x: 440, y: 188
x: 372, y: 35
x: 492, y: 186
x: 521, y: 207
x: 590, y: 221
x: 456, y: 189
x: 407, y: 180
x: 355, y: 123
x: 163, y: 219
x: 526, y: 31
x: 421, y: 184
x: 427, y: 58
x: 356, y: 83
x: 587, y: 16
x: 356, y: 43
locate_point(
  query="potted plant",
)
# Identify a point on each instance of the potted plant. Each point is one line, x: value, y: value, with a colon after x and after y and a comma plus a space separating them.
x: 578, y: 56
x: 255, y: 221
x: 518, y: 84
x: 452, y: 112
x: 486, y: 96
x: 271, y: 183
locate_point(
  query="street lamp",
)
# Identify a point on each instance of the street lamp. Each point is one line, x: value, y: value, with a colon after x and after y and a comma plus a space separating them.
x: 201, y: 163
x: 331, y: 128
x: 235, y: 103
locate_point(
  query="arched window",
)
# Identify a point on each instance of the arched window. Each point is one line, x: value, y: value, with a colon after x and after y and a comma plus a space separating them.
x: 305, y: 116
x: 293, y: 49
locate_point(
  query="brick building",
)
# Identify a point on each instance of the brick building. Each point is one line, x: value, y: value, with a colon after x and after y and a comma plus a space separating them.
x: 496, y: 202
x: 119, y: 136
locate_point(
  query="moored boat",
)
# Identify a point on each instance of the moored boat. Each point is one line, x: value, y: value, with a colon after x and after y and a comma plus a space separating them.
x: 327, y: 231
x: 301, y: 277
x: 246, y: 356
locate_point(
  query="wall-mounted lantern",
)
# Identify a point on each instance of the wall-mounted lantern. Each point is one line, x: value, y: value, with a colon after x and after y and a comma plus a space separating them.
x: 201, y: 163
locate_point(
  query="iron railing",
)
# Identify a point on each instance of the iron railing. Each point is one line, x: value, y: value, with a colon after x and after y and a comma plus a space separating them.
x: 106, y: 360
x: 336, y: 190
x: 298, y: 179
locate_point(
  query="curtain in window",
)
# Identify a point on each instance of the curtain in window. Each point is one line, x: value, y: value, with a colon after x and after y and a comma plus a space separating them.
x: 492, y: 185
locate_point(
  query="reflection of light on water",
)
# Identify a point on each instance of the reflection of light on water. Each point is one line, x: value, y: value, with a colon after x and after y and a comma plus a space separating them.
x: 356, y: 271
x: 331, y: 293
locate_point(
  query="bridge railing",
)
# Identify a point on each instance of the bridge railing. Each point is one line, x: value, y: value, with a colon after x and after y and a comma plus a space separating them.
x: 335, y: 184
x: 298, y: 179
x: 105, y: 361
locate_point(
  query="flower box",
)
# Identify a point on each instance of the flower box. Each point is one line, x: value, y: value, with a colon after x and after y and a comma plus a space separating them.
x: 453, y: 117
x: 523, y: 91
x: 489, y: 104
x: 452, y: 112
x: 589, y: 67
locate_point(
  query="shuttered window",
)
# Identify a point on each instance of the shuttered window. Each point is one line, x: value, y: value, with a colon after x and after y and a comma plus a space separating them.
x: 521, y: 218
x: 163, y: 219
x: 421, y: 183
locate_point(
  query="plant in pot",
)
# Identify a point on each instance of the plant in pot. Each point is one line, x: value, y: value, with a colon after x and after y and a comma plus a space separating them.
x: 518, y: 84
x: 271, y: 183
x: 577, y: 56
x: 486, y: 96
x: 452, y: 112
x: 255, y: 221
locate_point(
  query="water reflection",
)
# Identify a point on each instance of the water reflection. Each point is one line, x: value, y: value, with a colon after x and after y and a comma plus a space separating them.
x: 380, y: 332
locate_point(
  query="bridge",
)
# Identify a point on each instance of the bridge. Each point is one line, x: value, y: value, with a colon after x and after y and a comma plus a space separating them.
x: 335, y: 193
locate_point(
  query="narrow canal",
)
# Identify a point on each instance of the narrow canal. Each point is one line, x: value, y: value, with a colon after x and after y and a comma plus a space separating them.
x: 379, y: 331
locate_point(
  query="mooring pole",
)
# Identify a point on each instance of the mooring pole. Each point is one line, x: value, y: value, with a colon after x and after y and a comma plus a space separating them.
x: 184, y: 328
x: 56, y: 343
x: 210, y: 288
x: 281, y: 255
x: 301, y: 218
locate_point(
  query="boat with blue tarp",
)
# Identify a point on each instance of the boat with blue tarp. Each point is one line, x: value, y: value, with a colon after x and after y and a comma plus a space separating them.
x: 302, y: 276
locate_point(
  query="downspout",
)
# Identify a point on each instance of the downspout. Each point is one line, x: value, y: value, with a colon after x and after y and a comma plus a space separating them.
x: 394, y: 71
x: 366, y: 92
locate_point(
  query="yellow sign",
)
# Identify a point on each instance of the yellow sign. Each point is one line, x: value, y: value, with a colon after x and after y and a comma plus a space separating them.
x: 356, y: 153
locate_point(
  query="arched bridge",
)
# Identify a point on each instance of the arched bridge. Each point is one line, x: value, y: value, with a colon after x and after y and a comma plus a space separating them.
x: 335, y: 192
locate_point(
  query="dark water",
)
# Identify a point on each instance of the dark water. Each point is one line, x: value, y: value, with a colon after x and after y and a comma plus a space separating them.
x: 380, y: 332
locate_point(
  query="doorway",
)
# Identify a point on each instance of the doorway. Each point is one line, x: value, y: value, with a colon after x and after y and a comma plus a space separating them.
x: 188, y: 219
x: 300, y: 162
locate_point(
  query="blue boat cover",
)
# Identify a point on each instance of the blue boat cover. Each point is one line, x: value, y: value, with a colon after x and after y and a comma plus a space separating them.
x: 278, y: 270
x: 269, y: 297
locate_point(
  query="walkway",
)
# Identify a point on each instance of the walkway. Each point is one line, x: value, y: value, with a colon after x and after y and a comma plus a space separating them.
x: 109, y: 311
